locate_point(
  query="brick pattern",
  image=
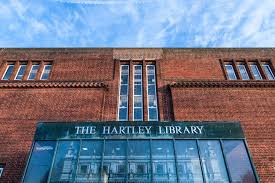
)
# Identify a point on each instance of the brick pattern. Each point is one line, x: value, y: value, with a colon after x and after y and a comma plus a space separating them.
x: 83, y: 86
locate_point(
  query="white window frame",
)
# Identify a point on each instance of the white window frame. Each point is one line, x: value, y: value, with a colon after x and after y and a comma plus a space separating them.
x: 148, y: 107
x: 8, y: 66
x: 227, y: 73
x: 256, y: 66
x: 137, y: 95
x: 242, y: 65
x: 19, y: 70
x: 31, y: 71
x: 269, y: 70
x: 44, y: 71
x: 120, y: 73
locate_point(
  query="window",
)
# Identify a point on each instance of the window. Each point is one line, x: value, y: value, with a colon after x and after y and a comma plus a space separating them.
x: 33, y: 72
x: 268, y: 71
x: 20, y: 72
x: 255, y: 71
x: 8, y: 72
x: 46, y: 72
x: 137, y: 94
x: 152, y: 93
x: 123, y: 93
x: 230, y: 72
x: 243, y: 72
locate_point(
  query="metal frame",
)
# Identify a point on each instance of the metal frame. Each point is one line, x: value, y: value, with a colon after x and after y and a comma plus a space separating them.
x: 120, y: 71
x: 133, y: 93
x: 151, y: 162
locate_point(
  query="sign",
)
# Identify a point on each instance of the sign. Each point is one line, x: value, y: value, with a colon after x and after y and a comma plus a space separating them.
x: 122, y: 130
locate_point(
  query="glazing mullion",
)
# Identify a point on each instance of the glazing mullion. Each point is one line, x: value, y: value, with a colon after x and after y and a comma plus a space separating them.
x: 102, y: 159
x: 55, y: 152
x: 151, y: 161
x: 75, y: 176
x: 225, y: 161
x: 201, y: 165
x: 126, y: 164
x: 176, y: 160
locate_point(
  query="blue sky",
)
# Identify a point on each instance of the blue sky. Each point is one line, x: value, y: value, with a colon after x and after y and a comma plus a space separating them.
x: 137, y: 23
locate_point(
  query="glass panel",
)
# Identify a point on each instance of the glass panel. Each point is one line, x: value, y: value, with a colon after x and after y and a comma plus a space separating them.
x: 212, y: 161
x: 137, y: 101
x: 124, y: 79
x: 123, y: 114
x: 123, y: 101
x: 137, y: 90
x: 124, y: 69
x: 114, y: 165
x: 8, y: 72
x: 33, y: 72
x: 152, y: 101
x: 230, y: 72
x: 89, y: 163
x: 151, y: 79
x: 139, y: 167
x: 123, y: 98
x: 151, y: 90
x: 243, y: 72
x: 40, y: 162
x: 150, y: 69
x: 65, y: 163
x: 46, y: 72
x: 268, y: 72
x: 21, y: 72
x: 238, y: 161
x: 153, y: 114
x: 188, y: 161
x: 163, y: 161
x: 256, y: 72
x: 124, y: 90
x: 138, y: 114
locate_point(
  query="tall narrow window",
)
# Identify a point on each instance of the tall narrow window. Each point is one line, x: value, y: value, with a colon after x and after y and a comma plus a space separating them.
x: 243, y: 72
x: 151, y: 93
x: 123, y: 93
x: 33, y: 72
x: 21, y: 72
x: 268, y: 72
x: 137, y: 94
x: 230, y: 72
x: 255, y: 71
x: 46, y: 72
x: 8, y: 72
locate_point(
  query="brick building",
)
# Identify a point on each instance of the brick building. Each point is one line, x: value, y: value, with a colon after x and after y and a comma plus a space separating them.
x: 185, y: 115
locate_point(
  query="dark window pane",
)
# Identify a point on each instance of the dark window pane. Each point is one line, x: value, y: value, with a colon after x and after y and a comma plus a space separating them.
x: 153, y: 114
x: 123, y: 89
x: 124, y: 79
x: 150, y: 69
x: 151, y: 90
x: 124, y: 70
x: 151, y: 79
x: 46, y: 72
x: 255, y: 71
x: 65, y: 163
x: 40, y: 162
x: 123, y: 114
x: 138, y: 69
x: 212, y: 161
x: 8, y: 72
x: 21, y: 72
x: 230, y: 72
x: 189, y: 168
x: 238, y: 161
x: 137, y: 113
x: 33, y: 72
x: 138, y: 90
x: 114, y: 165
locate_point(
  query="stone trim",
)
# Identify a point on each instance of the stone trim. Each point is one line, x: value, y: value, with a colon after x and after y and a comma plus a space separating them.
x: 222, y: 84
x: 53, y: 84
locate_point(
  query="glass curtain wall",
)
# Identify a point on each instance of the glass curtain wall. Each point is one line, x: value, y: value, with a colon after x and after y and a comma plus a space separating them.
x: 140, y: 161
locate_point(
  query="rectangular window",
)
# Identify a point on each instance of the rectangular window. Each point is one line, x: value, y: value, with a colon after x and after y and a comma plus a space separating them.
x: 268, y: 72
x: 243, y: 72
x: 151, y: 93
x: 21, y: 72
x: 33, y: 72
x: 137, y: 94
x: 230, y: 72
x: 46, y: 72
x: 8, y: 72
x: 123, y: 93
x: 255, y: 71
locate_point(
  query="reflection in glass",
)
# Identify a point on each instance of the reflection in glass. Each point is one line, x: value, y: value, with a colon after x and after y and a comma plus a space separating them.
x: 33, y: 72
x: 255, y: 71
x: 40, y: 162
x: 114, y: 165
x: 8, y: 72
x: 163, y: 161
x: 20, y: 72
x: 137, y: 95
x: 238, y: 161
x: 123, y: 99
x: 188, y: 161
x: 65, y: 163
x: 230, y: 72
x: 89, y: 162
x: 151, y: 94
x: 243, y: 72
x: 212, y: 161
x: 268, y: 72
x: 139, y: 169
x: 46, y: 72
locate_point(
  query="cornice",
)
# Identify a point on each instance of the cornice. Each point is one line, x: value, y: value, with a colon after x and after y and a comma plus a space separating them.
x: 221, y: 84
x: 52, y: 84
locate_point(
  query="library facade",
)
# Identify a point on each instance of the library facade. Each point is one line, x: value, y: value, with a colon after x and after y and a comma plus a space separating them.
x: 137, y: 115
